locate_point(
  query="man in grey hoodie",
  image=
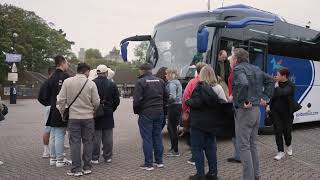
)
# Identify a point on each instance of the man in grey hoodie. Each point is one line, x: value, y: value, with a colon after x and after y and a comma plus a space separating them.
x: 174, y: 89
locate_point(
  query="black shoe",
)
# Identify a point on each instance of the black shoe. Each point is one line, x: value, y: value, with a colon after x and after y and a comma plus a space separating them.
x: 233, y: 160
x: 211, y: 177
x: 195, y: 177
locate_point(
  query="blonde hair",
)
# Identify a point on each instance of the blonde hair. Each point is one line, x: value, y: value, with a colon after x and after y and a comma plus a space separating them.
x: 207, y: 75
x: 172, y: 73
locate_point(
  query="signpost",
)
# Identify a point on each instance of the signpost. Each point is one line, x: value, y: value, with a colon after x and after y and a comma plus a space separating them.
x: 13, y: 75
x: 13, y: 58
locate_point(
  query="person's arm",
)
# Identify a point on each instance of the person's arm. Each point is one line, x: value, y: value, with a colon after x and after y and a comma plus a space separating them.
x: 240, y: 85
x: 268, y: 83
x: 62, y: 98
x: 116, y: 97
x: 221, y: 94
x: 137, y: 98
x: 95, y: 98
x: 186, y: 95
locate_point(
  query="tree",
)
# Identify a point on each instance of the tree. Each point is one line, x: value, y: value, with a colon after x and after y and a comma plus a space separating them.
x: 140, y: 53
x: 25, y: 33
x: 93, y: 54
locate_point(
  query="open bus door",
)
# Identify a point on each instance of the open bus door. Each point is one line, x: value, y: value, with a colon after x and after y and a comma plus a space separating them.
x: 258, y: 55
x: 257, y: 49
x: 151, y: 58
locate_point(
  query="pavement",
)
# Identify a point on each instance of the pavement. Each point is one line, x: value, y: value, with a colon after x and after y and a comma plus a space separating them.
x: 21, y: 150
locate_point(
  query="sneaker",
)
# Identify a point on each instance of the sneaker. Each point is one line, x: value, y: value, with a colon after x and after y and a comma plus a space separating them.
x: 53, y: 162
x: 159, y: 165
x: 211, y: 177
x: 233, y: 160
x: 191, y: 161
x: 279, y: 156
x: 66, y: 146
x: 63, y: 163
x: 108, y: 160
x: 143, y: 167
x: 173, y: 154
x: 289, y: 150
x: 45, y: 154
x: 86, y: 172
x: 195, y: 177
x: 94, y: 162
x: 1, y: 163
x: 77, y: 174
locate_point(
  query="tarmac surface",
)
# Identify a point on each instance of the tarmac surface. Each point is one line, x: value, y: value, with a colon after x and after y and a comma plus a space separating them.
x: 21, y: 150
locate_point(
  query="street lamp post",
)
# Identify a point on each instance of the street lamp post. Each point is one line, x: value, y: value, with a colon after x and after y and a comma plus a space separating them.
x: 13, y: 89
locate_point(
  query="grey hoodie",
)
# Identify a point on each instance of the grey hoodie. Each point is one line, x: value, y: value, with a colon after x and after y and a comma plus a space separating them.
x: 174, y: 89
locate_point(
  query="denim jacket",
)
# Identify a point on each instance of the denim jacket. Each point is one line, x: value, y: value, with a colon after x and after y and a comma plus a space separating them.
x: 251, y: 84
x: 174, y: 90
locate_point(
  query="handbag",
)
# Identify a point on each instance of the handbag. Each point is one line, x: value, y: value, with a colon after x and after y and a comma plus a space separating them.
x: 100, y: 110
x: 4, y: 110
x: 294, y: 105
x: 65, y: 116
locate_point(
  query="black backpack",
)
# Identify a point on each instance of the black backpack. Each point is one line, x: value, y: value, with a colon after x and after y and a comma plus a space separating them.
x: 5, y: 110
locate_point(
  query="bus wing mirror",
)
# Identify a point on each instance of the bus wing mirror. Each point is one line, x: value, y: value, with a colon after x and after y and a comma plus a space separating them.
x: 202, y: 40
x: 124, y: 51
x: 124, y: 44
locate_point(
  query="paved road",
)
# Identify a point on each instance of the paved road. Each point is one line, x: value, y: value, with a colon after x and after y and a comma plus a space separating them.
x: 21, y: 148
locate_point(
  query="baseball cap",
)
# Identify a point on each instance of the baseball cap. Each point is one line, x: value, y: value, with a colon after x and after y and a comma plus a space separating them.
x: 102, y: 69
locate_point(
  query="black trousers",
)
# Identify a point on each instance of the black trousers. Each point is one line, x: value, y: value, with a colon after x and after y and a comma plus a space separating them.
x: 174, y: 115
x: 282, y: 123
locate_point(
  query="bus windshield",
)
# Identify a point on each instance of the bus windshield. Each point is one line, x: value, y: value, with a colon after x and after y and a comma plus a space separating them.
x: 177, y: 46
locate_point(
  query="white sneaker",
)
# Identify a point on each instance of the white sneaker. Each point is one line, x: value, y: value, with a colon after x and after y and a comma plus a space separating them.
x: 86, y: 172
x: 289, y: 150
x: 108, y: 160
x: 1, y: 163
x: 279, y: 156
x: 45, y: 154
x: 53, y: 162
x: 63, y: 163
x: 159, y: 165
x: 143, y: 167
x: 94, y: 162
x: 77, y: 174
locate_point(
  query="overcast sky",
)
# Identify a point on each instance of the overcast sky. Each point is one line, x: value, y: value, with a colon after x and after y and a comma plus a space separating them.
x: 102, y: 24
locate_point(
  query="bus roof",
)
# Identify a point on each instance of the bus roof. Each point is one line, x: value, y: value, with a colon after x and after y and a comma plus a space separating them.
x: 234, y: 10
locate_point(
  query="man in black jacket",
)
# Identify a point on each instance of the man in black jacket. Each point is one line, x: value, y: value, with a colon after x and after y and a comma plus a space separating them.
x: 44, y: 99
x: 109, y: 97
x: 58, y: 127
x: 149, y: 99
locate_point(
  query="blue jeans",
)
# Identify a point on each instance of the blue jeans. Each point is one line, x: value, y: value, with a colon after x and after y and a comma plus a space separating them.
x: 150, y: 131
x: 202, y: 141
x: 236, y: 154
x: 57, y: 142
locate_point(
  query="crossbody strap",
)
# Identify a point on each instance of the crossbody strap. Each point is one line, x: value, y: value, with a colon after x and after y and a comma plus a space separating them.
x: 78, y: 94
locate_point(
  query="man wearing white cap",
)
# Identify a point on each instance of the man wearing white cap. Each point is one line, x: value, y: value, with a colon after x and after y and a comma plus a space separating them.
x: 109, y: 96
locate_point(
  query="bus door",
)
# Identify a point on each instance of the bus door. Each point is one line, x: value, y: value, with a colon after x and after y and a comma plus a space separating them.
x: 258, y: 53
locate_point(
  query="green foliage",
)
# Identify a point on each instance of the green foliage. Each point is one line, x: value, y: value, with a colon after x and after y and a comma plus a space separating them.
x: 140, y: 53
x: 93, y: 54
x: 35, y: 40
x: 112, y: 64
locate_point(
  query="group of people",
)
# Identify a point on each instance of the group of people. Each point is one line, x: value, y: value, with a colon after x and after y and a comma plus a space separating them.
x: 80, y: 97
x: 234, y: 92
